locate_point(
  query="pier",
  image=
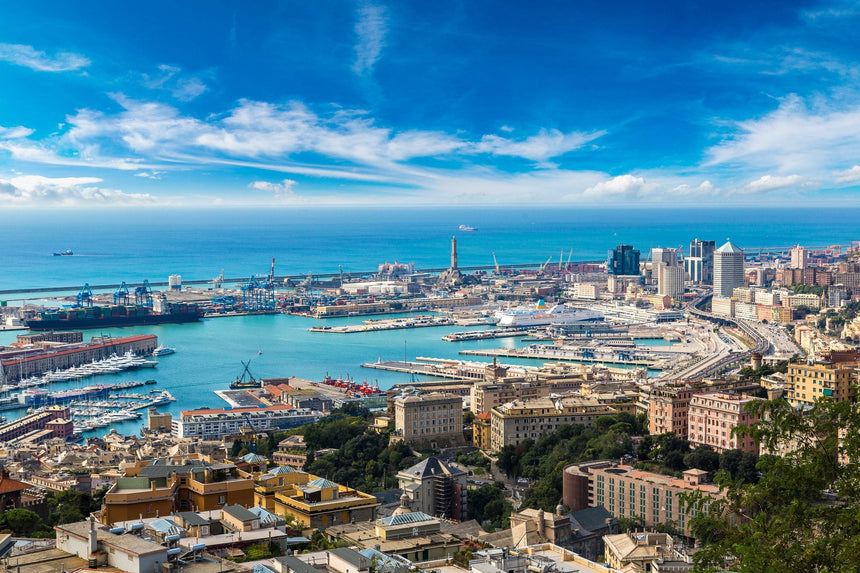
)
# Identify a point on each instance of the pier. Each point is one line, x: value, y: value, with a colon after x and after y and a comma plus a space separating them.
x: 422, y: 321
x: 484, y: 334
x: 562, y: 355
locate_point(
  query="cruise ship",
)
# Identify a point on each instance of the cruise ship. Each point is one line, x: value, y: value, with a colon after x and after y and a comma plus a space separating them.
x: 541, y: 315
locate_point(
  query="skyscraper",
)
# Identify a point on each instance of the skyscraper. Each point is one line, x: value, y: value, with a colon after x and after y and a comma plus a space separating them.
x: 799, y: 257
x: 624, y: 260
x: 666, y: 268
x: 728, y: 269
x: 700, y: 264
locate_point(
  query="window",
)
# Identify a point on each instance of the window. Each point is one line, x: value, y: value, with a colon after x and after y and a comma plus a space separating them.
x: 222, y: 499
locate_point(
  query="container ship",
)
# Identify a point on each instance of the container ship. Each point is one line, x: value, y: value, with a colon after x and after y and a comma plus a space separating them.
x: 103, y: 316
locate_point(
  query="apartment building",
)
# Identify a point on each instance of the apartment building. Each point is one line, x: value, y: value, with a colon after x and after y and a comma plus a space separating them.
x: 806, y: 382
x: 667, y: 410
x: 432, y: 419
x: 630, y: 493
x: 713, y: 417
x: 514, y: 422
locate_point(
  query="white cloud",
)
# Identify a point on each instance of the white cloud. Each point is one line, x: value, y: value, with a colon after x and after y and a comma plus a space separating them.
x: 620, y: 186
x: 704, y: 188
x: 14, y: 132
x: 150, y: 174
x: 848, y: 175
x: 370, y: 28
x: 794, y: 138
x: 283, y: 190
x: 170, y: 79
x: 36, y: 190
x: 771, y: 182
x: 29, y: 57
x: 544, y: 145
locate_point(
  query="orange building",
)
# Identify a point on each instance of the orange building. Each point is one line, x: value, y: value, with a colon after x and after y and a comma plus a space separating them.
x: 667, y: 410
x: 714, y: 416
x: 168, y: 485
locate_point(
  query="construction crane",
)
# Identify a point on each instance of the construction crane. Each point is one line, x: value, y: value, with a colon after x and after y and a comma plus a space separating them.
x: 143, y: 294
x: 120, y: 295
x: 85, y: 296
x: 495, y: 262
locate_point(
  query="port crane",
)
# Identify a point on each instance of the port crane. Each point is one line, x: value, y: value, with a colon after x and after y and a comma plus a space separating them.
x: 544, y: 266
x: 143, y: 294
x: 121, y: 294
x: 85, y: 296
x: 217, y: 281
x: 496, y: 263
x: 570, y: 256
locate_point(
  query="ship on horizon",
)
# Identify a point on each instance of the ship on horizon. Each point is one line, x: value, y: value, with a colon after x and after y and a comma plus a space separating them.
x: 467, y: 228
x: 66, y: 253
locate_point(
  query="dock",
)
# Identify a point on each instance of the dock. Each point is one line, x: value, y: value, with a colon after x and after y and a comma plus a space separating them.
x: 484, y: 334
x: 561, y: 355
x: 422, y: 321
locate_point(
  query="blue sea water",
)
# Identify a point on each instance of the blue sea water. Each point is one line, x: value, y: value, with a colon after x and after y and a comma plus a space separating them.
x: 114, y: 246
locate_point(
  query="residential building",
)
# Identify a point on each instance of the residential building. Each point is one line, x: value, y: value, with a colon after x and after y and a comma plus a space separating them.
x: 700, y: 264
x: 482, y: 431
x: 624, y: 260
x: 627, y: 492
x: 799, y: 257
x: 641, y: 552
x: 519, y: 420
x: 435, y: 488
x: 215, y: 423
x: 806, y: 382
x: 728, y: 269
x: 181, y: 483
x: 667, y: 410
x: 92, y: 541
x: 713, y: 417
x: 432, y: 419
x: 312, y: 501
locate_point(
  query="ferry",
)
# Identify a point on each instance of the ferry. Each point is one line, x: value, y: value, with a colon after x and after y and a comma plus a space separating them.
x: 467, y: 228
x: 66, y: 253
x: 541, y: 315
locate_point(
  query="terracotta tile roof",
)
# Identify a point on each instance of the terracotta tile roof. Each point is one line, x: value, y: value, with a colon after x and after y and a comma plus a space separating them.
x: 8, y: 485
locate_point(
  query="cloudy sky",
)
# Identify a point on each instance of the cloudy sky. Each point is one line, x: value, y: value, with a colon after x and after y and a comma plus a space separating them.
x: 465, y: 102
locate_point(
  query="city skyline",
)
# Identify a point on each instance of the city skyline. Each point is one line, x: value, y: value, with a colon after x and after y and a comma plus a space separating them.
x: 373, y: 103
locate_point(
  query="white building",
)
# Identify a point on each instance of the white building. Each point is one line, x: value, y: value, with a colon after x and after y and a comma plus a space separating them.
x: 214, y: 423
x: 670, y: 280
x: 799, y: 258
x: 123, y: 552
x: 728, y: 269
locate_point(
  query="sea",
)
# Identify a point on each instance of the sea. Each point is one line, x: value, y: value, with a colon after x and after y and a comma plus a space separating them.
x: 111, y: 246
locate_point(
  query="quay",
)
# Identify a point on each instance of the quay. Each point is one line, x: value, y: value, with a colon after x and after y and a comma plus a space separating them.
x: 421, y: 321
x: 561, y: 355
x: 440, y: 367
x: 484, y: 334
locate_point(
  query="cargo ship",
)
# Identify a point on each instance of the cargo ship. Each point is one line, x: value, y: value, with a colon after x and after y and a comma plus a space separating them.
x: 104, y: 316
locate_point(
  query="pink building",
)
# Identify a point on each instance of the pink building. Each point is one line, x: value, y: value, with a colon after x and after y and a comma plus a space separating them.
x: 667, y: 410
x: 713, y: 416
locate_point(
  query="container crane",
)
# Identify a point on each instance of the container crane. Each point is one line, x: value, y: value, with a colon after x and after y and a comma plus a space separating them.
x: 543, y: 266
x: 85, y: 296
x: 570, y: 256
x: 143, y: 294
x: 121, y: 295
x: 496, y: 263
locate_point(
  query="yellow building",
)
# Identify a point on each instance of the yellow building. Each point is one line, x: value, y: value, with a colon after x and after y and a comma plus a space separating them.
x: 168, y: 485
x: 516, y: 421
x: 313, y: 502
x: 432, y: 419
x: 808, y: 382
x: 481, y: 431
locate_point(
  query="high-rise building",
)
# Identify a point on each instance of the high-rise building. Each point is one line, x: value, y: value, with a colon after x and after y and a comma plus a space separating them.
x: 624, y: 260
x: 666, y: 268
x: 728, y: 269
x: 799, y: 257
x: 700, y: 264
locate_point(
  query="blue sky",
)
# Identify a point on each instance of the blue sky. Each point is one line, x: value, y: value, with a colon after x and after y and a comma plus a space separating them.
x: 429, y: 103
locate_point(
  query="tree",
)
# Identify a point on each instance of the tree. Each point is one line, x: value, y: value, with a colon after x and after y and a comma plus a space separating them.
x: 22, y: 522
x: 802, y: 512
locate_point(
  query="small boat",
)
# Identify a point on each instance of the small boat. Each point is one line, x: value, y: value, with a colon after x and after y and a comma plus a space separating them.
x: 66, y: 253
x: 467, y: 228
x: 151, y: 382
x: 163, y: 351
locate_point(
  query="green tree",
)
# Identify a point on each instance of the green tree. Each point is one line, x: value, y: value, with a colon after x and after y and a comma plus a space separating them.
x: 802, y: 512
x: 22, y: 522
